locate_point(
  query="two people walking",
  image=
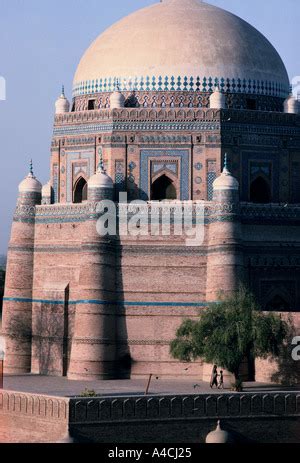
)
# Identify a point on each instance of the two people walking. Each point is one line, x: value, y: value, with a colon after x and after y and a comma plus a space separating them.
x: 214, y: 381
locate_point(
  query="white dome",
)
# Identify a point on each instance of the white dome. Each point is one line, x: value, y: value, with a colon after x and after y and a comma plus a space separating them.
x: 226, y: 181
x: 30, y: 185
x: 117, y: 100
x: 62, y: 104
x: 182, y: 44
x: 100, y: 180
x: 291, y: 105
x: 219, y: 436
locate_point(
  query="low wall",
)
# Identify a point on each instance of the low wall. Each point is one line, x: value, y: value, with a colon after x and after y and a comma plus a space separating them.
x: 265, y: 418
x: 260, y: 417
x: 30, y: 418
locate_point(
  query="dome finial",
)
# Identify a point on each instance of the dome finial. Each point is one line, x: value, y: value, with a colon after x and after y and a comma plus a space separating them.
x: 100, y: 168
x: 63, y: 90
x: 226, y: 161
x: 31, y: 168
x: 225, y: 168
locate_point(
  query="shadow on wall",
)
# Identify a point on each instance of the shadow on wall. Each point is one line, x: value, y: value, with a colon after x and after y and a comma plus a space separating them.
x: 123, y: 356
x: 46, y: 335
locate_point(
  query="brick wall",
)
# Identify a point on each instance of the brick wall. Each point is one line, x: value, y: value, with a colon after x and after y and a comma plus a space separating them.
x: 262, y: 418
x: 29, y: 418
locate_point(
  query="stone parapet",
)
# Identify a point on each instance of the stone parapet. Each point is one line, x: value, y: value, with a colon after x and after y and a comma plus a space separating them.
x: 89, y: 209
x: 32, y: 418
x: 177, y: 114
x: 183, y: 407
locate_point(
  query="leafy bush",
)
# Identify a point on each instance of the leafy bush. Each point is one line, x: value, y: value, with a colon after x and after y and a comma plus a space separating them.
x: 88, y: 393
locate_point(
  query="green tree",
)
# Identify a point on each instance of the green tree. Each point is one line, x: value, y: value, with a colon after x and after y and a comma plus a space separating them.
x: 228, y: 332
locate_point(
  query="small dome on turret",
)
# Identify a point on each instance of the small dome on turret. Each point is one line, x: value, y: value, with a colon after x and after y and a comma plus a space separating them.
x: 30, y: 184
x: 117, y: 99
x: 62, y: 104
x: 291, y: 105
x: 100, y: 179
x: 100, y: 185
x: 219, y: 436
x: 226, y: 181
x: 217, y: 99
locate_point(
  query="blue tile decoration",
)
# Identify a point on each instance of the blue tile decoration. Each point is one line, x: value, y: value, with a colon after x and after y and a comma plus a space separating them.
x: 120, y: 175
x: 180, y: 83
x: 182, y: 155
x: 55, y: 182
x: 211, y: 177
x: 105, y: 303
x: 198, y: 166
x: 132, y: 166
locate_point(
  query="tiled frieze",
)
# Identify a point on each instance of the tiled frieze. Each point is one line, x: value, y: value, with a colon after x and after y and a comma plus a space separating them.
x: 179, y: 83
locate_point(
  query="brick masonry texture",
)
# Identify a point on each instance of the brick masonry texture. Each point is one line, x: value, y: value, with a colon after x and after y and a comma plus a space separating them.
x: 261, y: 418
x: 256, y: 417
x: 85, y: 307
x: 141, y: 289
x: 32, y: 418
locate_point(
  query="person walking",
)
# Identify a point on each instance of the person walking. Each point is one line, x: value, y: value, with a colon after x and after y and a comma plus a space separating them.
x: 214, y: 377
x: 221, y: 380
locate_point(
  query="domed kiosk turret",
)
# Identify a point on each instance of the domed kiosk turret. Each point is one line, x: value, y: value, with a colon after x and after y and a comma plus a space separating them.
x: 117, y: 99
x: 224, y: 273
x: 62, y: 104
x: 30, y: 189
x: 19, y: 278
x: 100, y: 185
x: 291, y: 105
x: 226, y: 187
x: 220, y: 436
x: 217, y: 99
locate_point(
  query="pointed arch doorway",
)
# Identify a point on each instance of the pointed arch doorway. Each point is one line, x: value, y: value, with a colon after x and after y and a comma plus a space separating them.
x: 80, y: 191
x: 162, y: 189
x: 260, y: 191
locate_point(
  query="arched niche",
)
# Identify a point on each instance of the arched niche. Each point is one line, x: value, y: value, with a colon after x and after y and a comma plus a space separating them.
x: 260, y: 191
x: 80, y: 191
x: 163, y: 188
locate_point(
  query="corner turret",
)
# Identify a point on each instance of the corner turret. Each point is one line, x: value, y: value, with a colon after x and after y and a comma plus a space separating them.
x: 217, y: 99
x: 62, y: 104
x: 291, y: 105
x: 30, y: 190
x: 226, y: 187
x: 100, y: 185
